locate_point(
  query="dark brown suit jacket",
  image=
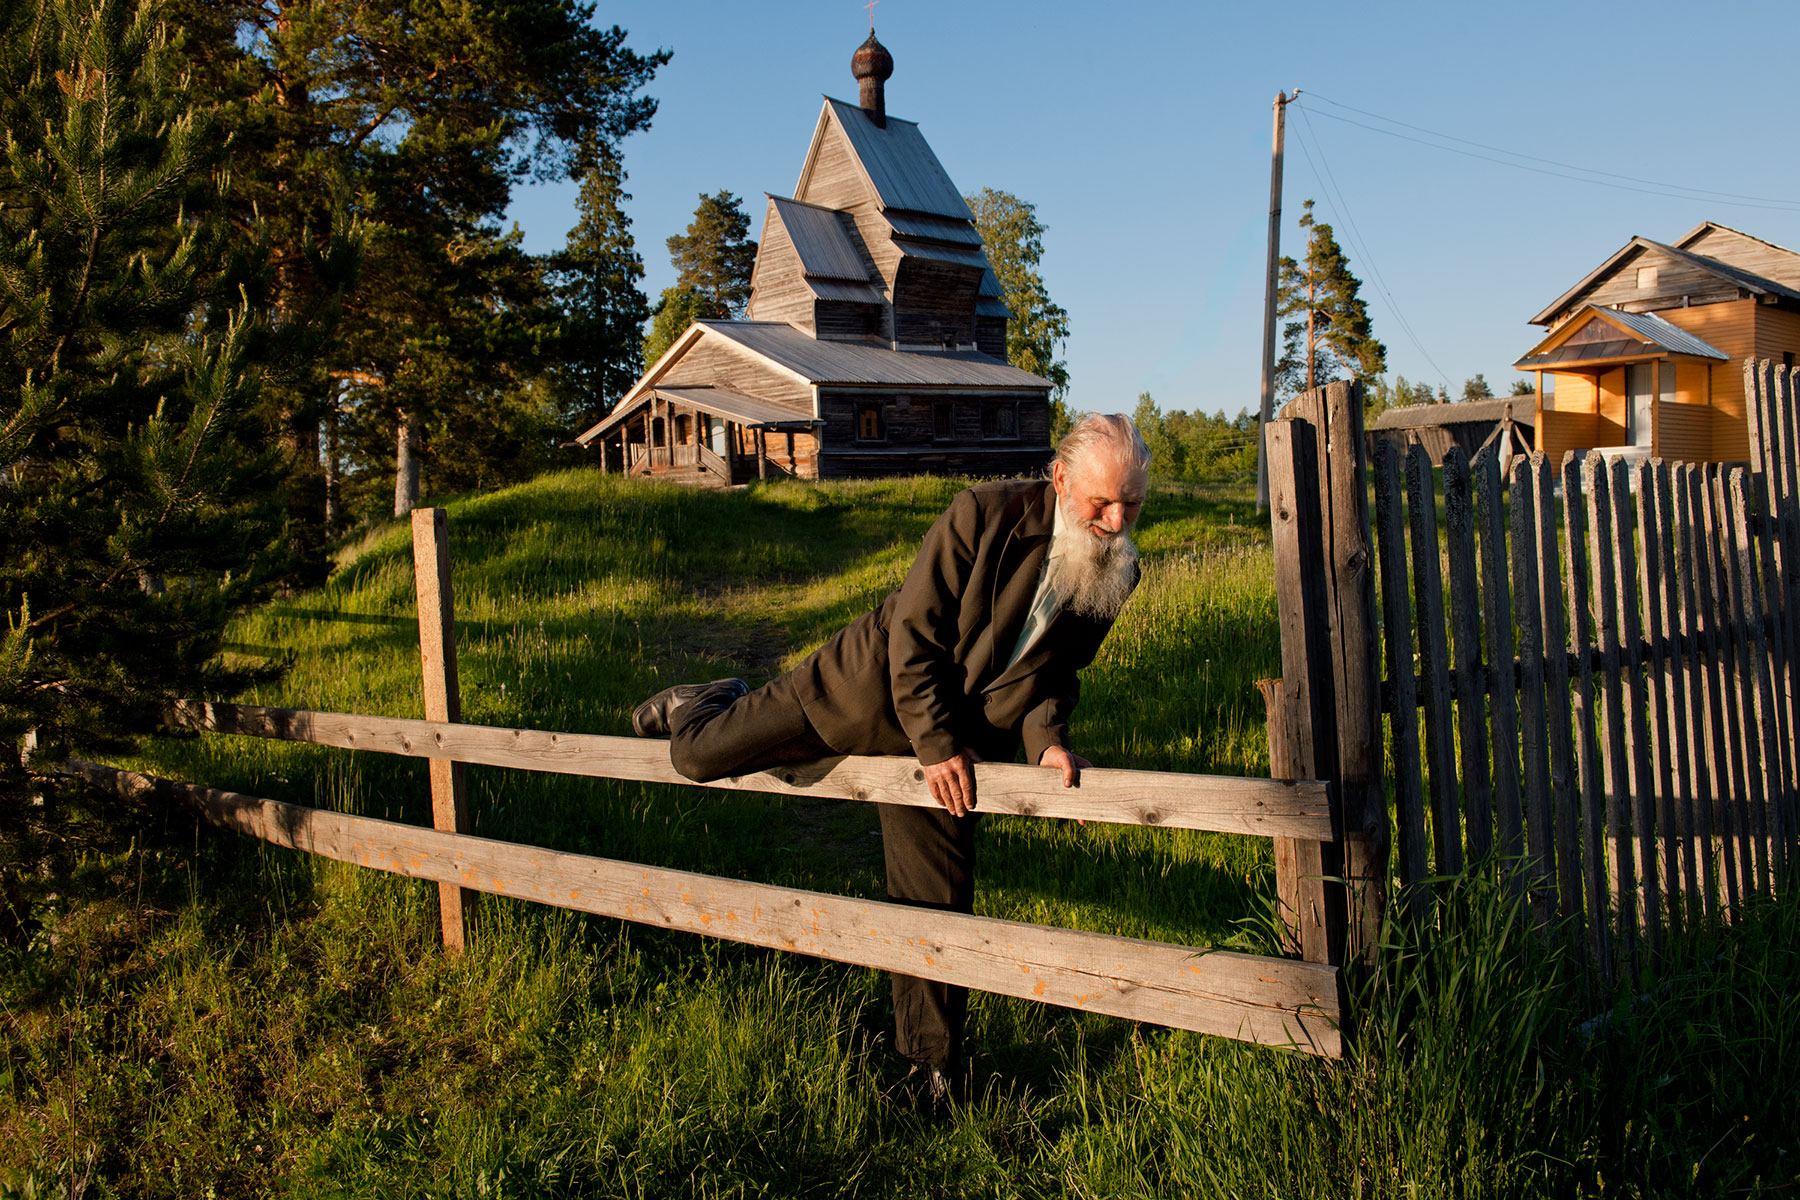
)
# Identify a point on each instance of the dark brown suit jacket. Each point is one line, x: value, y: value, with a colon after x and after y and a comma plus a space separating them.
x: 926, y: 673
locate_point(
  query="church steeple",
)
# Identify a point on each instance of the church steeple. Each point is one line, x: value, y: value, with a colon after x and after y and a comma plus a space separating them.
x: 872, y: 65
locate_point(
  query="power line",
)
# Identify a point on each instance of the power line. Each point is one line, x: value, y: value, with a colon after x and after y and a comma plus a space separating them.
x: 1362, y: 247
x: 1588, y: 175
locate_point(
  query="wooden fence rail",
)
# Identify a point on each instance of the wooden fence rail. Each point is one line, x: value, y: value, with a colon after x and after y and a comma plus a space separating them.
x: 1605, y: 681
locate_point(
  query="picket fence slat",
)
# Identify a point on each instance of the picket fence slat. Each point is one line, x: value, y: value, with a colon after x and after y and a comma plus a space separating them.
x: 1721, y: 754
x: 1556, y: 695
x: 1737, y: 702
x: 1696, y: 818
x: 1747, y: 618
x: 1396, y: 636
x: 1465, y: 623
x: 1269, y: 1000
x: 1540, y: 839
x: 1587, y: 749
x: 1642, y: 805
x: 1497, y: 616
x: 1616, y: 755
x: 1434, y: 662
x: 1653, y: 585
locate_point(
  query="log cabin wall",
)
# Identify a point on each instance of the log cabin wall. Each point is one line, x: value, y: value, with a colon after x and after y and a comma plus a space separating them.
x: 990, y: 335
x: 934, y: 302
x: 846, y: 319
x: 871, y: 431
x: 779, y: 291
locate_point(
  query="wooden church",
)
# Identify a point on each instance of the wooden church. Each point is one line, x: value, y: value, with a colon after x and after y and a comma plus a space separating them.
x: 874, y: 341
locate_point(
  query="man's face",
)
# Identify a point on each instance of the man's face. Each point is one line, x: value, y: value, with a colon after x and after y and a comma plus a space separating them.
x: 1100, y: 494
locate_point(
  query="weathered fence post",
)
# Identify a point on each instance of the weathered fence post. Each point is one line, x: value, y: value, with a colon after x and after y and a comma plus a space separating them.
x: 1345, y: 569
x: 443, y: 698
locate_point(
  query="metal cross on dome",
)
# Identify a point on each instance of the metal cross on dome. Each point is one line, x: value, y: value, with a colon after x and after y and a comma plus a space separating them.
x: 871, y: 7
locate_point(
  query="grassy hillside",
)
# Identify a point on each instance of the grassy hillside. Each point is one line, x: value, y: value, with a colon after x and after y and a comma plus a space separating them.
x: 198, y: 1013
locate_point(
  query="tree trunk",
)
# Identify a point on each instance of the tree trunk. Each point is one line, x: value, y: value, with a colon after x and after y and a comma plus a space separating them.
x: 406, y: 467
x: 334, y: 509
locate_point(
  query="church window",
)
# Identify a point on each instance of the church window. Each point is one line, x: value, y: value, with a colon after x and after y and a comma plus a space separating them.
x: 869, y: 425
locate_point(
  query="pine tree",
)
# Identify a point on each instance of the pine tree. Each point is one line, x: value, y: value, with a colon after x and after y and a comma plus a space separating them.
x: 1339, y: 337
x: 597, y: 276
x: 1477, y: 388
x: 1038, y: 328
x: 715, y: 257
x: 139, y: 500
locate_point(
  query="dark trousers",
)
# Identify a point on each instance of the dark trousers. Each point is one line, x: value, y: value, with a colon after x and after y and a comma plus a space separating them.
x: 930, y: 854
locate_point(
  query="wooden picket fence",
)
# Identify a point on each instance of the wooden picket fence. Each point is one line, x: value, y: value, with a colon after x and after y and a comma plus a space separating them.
x: 1271, y: 1000
x: 1590, y: 673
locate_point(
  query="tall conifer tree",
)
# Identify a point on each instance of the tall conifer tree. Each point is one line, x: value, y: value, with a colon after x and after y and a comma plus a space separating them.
x: 1340, y: 340
x: 597, y: 277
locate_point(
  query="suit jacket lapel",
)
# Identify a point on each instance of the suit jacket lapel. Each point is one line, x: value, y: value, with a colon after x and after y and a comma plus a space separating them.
x: 1015, y: 582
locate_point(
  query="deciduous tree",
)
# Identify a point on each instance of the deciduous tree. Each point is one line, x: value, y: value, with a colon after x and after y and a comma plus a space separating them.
x: 1039, y: 327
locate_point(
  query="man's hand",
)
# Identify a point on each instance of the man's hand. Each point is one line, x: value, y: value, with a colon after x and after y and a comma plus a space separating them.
x: 1066, y: 761
x: 952, y: 782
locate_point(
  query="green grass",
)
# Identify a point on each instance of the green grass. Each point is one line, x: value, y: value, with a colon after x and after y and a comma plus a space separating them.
x: 190, y: 1013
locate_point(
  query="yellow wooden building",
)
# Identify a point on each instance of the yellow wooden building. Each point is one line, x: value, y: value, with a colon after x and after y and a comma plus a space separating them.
x: 1646, y: 354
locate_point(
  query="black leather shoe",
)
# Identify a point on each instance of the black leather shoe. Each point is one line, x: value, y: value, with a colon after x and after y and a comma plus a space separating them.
x: 651, y: 718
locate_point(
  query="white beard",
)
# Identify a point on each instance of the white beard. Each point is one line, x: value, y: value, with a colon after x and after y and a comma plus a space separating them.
x: 1092, y: 576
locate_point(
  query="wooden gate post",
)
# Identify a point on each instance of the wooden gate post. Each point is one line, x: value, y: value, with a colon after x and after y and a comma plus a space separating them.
x: 1303, y: 729
x: 1346, y: 567
x: 443, y: 698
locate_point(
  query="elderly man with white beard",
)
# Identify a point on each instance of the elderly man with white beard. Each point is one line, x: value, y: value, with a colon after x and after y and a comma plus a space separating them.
x: 973, y: 658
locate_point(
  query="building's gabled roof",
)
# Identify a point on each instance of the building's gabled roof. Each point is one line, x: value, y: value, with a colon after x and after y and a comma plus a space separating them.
x: 896, y: 160
x: 820, y: 239
x: 1755, y: 284
x: 1422, y: 416
x: 1638, y: 335
x: 822, y: 362
x: 750, y: 410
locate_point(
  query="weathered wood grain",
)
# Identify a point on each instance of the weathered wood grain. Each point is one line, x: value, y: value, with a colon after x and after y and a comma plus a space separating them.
x: 1654, y: 586
x: 1496, y: 595
x: 443, y: 698
x: 1689, y: 682
x: 1220, y: 803
x: 1765, y: 780
x: 1534, y: 722
x: 1465, y: 624
x: 1563, y: 799
x: 1397, y: 642
x: 1728, y: 778
x: 1308, y: 678
x: 1642, y: 793
x: 1269, y: 1000
x: 1434, y: 661
x: 1596, y: 482
x: 1587, y: 751
x: 1768, y: 623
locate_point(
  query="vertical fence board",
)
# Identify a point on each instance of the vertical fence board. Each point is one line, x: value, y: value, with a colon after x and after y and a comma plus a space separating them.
x: 1434, y: 660
x: 1307, y: 677
x: 1766, y: 622
x: 443, y: 699
x: 1785, y: 504
x: 1642, y: 803
x: 1615, y: 754
x: 1665, y: 847
x: 1587, y: 750
x: 1496, y: 598
x: 1696, y: 820
x: 1396, y: 626
x: 1540, y: 837
x: 1556, y: 696
x: 1671, y: 691
x: 1722, y: 717
x: 1738, y: 700
x: 1746, y: 621
x: 1465, y: 624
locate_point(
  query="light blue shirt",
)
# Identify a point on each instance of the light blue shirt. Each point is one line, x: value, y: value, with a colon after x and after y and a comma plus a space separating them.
x: 1046, y: 604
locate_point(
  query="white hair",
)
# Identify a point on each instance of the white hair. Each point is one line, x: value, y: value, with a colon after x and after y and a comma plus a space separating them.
x: 1112, y: 432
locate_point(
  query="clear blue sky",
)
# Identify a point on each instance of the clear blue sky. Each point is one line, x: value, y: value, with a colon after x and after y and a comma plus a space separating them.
x: 1141, y: 133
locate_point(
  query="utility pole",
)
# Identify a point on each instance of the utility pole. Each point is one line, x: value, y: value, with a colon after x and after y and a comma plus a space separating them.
x: 1267, y: 412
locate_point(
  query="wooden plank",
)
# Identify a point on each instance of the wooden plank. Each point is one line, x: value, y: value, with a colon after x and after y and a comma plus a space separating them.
x: 1534, y: 722
x: 1397, y: 643
x: 1587, y: 750
x: 1219, y: 803
x: 1308, y: 678
x: 1465, y: 624
x: 1688, y: 701
x: 1637, y: 725
x: 1786, y: 506
x: 1767, y: 623
x: 1614, y: 754
x: 1269, y: 1000
x: 1283, y: 754
x: 1739, y: 701
x: 1364, y: 832
x: 1434, y: 661
x: 1721, y: 712
x: 1502, y: 688
x: 1765, y: 779
x: 1563, y: 797
x: 443, y: 698
x: 1657, y: 565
